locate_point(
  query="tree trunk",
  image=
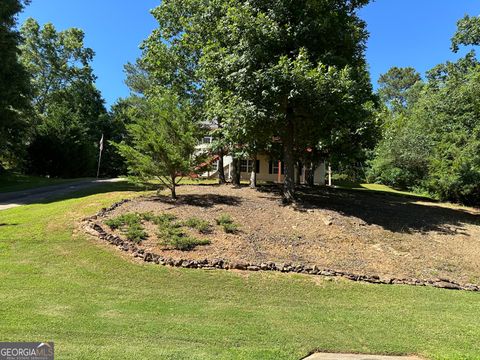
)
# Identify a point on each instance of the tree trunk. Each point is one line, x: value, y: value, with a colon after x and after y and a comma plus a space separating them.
x: 173, y: 188
x: 253, y: 174
x: 298, y: 168
x: 238, y: 173
x: 288, y: 139
x: 311, y: 176
x: 221, y: 171
x: 235, y: 172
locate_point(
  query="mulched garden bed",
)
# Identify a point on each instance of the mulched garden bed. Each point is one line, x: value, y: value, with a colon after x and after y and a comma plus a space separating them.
x: 357, y: 235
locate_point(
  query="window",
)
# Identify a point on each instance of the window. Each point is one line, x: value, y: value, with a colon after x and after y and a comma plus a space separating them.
x: 273, y: 167
x: 247, y: 166
x: 207, y: 140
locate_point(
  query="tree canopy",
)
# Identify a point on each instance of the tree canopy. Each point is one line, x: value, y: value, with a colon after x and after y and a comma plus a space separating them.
x: 14, y: 86
x: 69, y: 112
x: 296, y: 68
x: 432, y: 141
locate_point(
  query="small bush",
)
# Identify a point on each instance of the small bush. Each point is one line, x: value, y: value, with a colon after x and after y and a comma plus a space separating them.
x: 202, y: 226
x: 230, y: 228
x: 171, y: 234
x: 166, y: 231
x: 148, y: 216
x: 185, y: 243
x: 163, y: 219
x: 224, y: 219
x: 124, y: 220
x: 130, y: 225
x: 136, y: 233
x: 114, y: 223
x: 227, y: 223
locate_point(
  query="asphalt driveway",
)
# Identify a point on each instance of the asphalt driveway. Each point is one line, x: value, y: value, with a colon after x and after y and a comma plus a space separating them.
x: 17, y: 198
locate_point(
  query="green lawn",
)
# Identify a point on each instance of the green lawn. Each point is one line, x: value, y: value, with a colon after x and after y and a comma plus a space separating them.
x: 15, y: 182
x: 57, y: 284
x: 342, y: 184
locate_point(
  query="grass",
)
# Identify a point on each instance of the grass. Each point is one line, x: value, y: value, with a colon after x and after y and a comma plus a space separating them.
x: 57, y: 284
x: 343, y: 184
x: 16, y: 182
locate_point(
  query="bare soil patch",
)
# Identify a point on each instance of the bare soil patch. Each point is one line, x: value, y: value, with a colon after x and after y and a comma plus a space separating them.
x: 355, y: 231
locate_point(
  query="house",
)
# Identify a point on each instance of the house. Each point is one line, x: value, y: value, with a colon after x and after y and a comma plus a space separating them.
x: 268, y: 169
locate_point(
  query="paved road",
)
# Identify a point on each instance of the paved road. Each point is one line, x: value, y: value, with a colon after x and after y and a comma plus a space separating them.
x: 17, y: 198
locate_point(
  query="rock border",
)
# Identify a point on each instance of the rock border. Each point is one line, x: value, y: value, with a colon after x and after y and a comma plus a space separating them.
x: 93, y: 227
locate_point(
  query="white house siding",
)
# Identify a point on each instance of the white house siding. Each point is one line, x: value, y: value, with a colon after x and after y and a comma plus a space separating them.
x: 264, y: 175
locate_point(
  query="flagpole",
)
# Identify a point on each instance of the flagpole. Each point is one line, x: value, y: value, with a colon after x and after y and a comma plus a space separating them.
x: 100, y: 156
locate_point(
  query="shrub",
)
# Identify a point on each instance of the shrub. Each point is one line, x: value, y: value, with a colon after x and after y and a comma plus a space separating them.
x: 130, y: 225
x: 230, y: 228
x: 136, y: 233
x: 166, y: 231
x: 227, y: 223
x: 124, y: 220
x: 148, y: 216
x: 164, y: 219
x: 202, y: 226
x: 224, y: 219
x: 172, y: 235
x: 114, y: 223
x: 185, y: 243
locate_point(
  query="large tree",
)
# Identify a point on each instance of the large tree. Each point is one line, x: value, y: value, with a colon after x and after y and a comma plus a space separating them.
x: 296, y: 66
x: 14, y: 85
x: 399, y: 87
x: 69, y: 110
x: 432, y: 142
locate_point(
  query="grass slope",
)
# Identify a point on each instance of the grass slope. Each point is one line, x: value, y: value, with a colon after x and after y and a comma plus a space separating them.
x: 57, y: 284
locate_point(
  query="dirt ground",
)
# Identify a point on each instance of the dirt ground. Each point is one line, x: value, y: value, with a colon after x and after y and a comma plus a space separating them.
x: 356, y: 231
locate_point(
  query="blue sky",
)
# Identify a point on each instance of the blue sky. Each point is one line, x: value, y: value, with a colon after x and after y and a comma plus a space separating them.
x: 402, y: 32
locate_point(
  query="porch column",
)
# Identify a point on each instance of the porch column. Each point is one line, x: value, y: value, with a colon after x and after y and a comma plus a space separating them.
x: 279, y: 171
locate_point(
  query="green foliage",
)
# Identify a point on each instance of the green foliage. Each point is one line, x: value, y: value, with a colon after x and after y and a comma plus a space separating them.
x: 162, y: 141
x: 226, y: 222
x: 128, y: 219
x: 230, y: 228
x: 164, y: 218
x: 401, y: 156
x: 136, y: 233
x: 468, y: 32
x: 432, y: 143
x: 15, y: 91
x: 130, y: 225
x: 224, y: 219
x: 399, y: 87
x: 266, y: 69
x: 184, y: 243
x: 172, y: 235
x: 202, y: 226
x: 69, y: 112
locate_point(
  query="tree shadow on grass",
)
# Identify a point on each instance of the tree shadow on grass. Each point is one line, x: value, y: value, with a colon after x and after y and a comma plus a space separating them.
x: 200, y: 200
x: 394, y: 212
